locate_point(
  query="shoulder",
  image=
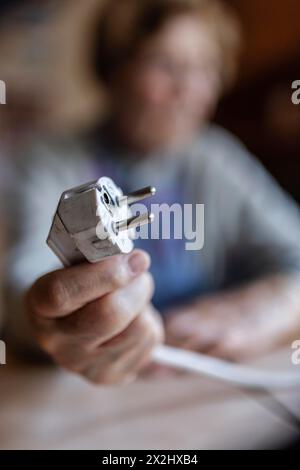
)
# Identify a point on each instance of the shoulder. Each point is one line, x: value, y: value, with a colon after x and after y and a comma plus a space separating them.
x: 229, y: 160
x: 48, y: 152
x: 53, y: 162
x: 223, y: 148
x: 43, y: 171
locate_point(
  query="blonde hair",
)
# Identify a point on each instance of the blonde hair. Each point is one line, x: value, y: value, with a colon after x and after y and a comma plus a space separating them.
x: 125, y: 24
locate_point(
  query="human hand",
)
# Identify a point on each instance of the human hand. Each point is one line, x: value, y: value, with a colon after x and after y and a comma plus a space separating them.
x: 97, y: 319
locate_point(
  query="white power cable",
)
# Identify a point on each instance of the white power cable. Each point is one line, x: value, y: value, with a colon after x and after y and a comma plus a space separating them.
x: 244, y: 376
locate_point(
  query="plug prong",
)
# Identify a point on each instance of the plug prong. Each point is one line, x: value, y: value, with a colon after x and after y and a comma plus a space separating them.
x: 137, y: 196
x: 134, y: 222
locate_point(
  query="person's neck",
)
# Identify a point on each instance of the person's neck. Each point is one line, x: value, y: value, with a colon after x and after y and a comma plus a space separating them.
x: 127, y: 138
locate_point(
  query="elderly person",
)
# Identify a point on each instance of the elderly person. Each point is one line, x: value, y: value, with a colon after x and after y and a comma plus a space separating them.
x: 164, y: 65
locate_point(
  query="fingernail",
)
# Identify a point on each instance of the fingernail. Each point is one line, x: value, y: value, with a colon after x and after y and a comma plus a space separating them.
x: 138, y: 262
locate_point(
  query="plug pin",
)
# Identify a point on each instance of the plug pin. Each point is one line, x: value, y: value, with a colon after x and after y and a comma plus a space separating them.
x: 137, y: 196
x: 133, y: 222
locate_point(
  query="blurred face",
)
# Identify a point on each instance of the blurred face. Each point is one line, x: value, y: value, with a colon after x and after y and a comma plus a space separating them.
x: 170, y: 88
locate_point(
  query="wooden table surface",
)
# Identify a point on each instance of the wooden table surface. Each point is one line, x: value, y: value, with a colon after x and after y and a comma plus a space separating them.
x: 47, y: 408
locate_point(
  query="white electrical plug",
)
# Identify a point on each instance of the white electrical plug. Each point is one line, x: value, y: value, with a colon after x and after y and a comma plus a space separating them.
x: 94, y: 221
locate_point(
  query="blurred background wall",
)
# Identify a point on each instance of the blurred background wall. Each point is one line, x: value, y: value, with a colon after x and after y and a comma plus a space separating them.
x: 260, y: 110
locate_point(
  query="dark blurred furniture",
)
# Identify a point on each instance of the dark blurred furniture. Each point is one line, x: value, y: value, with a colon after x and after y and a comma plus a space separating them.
x: 262, y: 114
x: 260, y: 110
